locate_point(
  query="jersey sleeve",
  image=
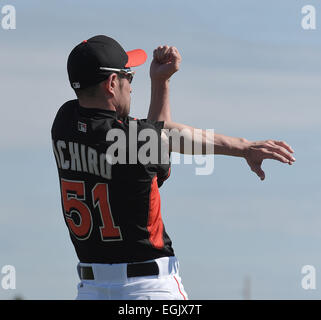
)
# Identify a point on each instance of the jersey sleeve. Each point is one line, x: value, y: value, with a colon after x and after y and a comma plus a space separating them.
x: 146, y: 123
x: 163, y: 166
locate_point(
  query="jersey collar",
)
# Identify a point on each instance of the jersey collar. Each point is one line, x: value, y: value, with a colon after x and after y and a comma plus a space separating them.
x: 89, y: 112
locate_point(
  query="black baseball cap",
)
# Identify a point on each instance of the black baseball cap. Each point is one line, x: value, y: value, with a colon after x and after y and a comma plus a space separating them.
x: 86, y: 58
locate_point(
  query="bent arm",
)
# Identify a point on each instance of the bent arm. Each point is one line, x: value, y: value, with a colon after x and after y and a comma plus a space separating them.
x: 166, y: 61
x: 159, y: 109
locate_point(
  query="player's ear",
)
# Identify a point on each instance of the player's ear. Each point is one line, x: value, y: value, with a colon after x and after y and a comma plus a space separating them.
x: 111, y: 84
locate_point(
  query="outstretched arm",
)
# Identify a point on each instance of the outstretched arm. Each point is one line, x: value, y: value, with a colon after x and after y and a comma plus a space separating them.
x: 188, y: 140
x: 166, y: 61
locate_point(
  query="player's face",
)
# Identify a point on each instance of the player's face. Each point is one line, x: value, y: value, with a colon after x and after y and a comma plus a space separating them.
x: 124, y: 97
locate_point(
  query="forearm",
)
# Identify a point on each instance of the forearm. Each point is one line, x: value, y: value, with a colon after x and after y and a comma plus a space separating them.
x: 159, y: 109
x: 200, y: 141
x: 230, y: 146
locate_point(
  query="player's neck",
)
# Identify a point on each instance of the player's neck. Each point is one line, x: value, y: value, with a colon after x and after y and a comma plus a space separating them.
x: 96, y: 104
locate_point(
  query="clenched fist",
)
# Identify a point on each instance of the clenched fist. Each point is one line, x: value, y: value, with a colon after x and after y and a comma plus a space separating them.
x: 166, y: 61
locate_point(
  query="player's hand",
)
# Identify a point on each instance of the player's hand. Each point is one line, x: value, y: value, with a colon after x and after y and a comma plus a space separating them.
x: 166, y: 61
x: 257, y: 151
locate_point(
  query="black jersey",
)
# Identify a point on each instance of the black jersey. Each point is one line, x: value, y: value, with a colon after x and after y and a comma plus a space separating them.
x: 112, y: 210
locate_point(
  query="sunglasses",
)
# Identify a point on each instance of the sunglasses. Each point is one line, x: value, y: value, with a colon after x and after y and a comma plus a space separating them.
x: 126, y: 73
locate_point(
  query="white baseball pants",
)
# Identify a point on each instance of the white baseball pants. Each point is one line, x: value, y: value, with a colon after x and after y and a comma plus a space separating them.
x: 110, y: 282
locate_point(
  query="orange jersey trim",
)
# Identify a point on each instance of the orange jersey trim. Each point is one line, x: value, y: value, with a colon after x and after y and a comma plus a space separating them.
x: 155, y: 225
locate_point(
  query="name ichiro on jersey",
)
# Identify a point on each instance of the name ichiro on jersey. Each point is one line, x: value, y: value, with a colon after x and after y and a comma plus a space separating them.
x: 81, y: 158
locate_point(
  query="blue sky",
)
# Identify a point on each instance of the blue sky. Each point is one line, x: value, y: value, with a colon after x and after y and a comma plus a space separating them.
x: 248, y: 70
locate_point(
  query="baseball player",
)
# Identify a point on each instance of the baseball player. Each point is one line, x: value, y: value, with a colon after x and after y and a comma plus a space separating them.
x: 111, y: 208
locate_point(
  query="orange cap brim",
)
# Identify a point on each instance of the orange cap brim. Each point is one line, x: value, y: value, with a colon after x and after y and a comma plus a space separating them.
x: 136, y: 58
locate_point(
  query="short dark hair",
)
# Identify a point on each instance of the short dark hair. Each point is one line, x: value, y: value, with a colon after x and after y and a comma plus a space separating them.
x: 87, y: 92
x: 92, y: 90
